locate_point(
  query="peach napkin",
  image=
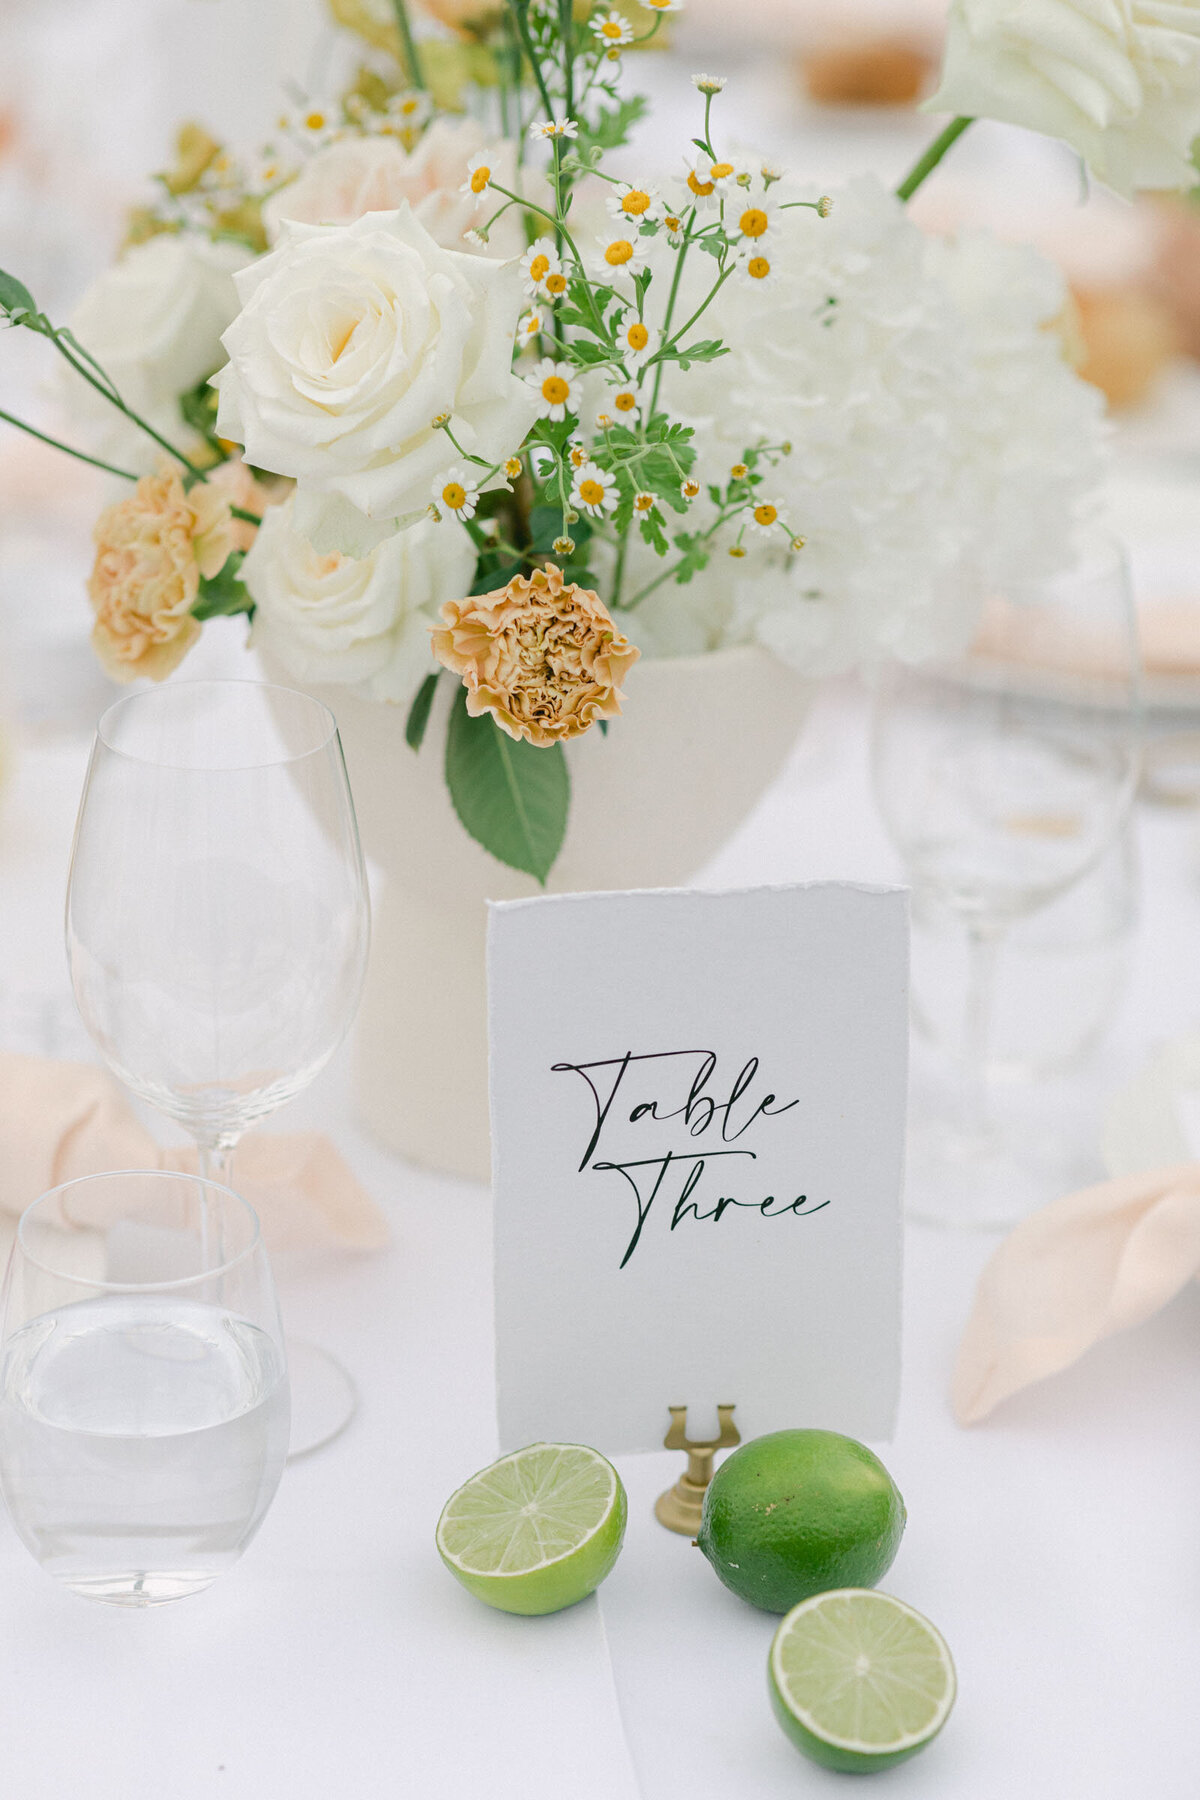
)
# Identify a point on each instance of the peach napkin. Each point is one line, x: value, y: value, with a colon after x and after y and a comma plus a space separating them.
x: 60, y: 1119
x: 1082, y: 1268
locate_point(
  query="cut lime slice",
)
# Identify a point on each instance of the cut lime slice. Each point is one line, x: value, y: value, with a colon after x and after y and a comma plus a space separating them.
x: 536, y: 1531
x: 859, y: 1680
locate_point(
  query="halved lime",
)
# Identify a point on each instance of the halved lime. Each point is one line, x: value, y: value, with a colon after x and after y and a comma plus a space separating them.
x: 859, y: 1680
x: 536, y: 1531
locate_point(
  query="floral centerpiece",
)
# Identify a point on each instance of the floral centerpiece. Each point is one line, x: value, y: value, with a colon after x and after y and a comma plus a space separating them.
x: 430, y: 391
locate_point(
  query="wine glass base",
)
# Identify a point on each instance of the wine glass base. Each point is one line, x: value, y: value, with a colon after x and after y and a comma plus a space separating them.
x: 324, y: 1397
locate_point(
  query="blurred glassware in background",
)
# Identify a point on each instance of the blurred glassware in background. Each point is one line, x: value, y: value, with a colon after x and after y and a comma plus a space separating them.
x: 1060, y: 973
x: 1004, y: 779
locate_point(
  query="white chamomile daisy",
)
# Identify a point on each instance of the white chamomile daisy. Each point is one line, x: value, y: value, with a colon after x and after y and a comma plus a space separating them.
x: 578, y: 453
x: 636, y: 341
x: 690, y: 489
x: 612, y: 30
x: 663, y: 6
x: 764, y: 517
x: 619, y: 254
x: 673, y: 226
x: 556, y: 389
x: 624, y: 405
x: 479, y: 173
x: 755, y: 265
x: 750, y: 217
x: 637, y: 205
x: 532, y: 324
x: 554, y: 128
x: 595, y: 491
x: 643, y: 505
x: 707, y: 181
x: 458, y: 491
x: 540, y: 260
x: 512, y: 467
x: 410, y: 108
x: 709, y: 84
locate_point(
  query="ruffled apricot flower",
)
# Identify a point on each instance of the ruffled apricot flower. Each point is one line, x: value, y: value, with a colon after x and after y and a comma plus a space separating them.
x: 151, y: 550
x: 542, y: 655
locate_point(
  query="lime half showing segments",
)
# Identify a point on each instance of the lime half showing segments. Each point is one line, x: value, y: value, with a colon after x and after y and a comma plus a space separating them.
x: 536, y: 1531
x: 858, y: 1680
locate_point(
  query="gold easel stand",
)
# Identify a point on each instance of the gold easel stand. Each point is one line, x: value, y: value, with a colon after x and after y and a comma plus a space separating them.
x: 680, y: 1507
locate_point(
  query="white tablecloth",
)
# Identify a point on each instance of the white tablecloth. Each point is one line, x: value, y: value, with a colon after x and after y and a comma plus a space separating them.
x: 1056, y: 1546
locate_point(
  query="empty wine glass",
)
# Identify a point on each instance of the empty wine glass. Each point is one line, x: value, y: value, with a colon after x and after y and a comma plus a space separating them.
x: 1003, y: 777
x: 217, y: 922
x: 143, y: 1384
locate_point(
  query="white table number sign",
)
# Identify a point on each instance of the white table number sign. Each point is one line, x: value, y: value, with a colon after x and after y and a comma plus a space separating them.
x: 698, y: 1106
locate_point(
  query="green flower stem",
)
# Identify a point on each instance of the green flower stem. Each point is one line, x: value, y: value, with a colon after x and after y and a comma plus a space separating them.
x: 519, y: 9
x: 672, y: 297
x: 668, y: 574
x: 408, y: 45
x: 530, y: 206
x: 702, y: 308
x: 566, y: 28
x: 108, y: 390
x: 479, y: 461
x: 239, y: 512
x: 56, y: 444
x: 926, y: 164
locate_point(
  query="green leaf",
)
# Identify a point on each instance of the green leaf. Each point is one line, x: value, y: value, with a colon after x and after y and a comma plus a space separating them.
x: 418, y: 716
x: 15, y: 297
x: 613, y: 124
x: 511, y: 797
x: 223, y: 593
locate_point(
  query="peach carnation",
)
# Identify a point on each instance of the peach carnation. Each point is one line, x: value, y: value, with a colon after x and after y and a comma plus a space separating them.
x: 151, y: 550
x: 542, y: 655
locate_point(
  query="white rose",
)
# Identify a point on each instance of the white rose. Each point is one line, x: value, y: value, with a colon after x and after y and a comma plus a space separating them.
x: 359, y: 621
x: 352, y: 339
x: 1119, y: 80
x: 359, y: 175
x: 154, y: 322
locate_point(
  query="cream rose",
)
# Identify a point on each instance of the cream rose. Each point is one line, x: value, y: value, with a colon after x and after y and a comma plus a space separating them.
x: 154, y: 322
x: 352, y: 339
x: 1119, y: 80
x: 359, y: 175
x: 363, y: 622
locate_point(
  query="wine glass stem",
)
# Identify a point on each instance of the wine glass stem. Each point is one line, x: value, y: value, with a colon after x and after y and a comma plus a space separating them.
x: 216, y: 1164
x: 984, y: 940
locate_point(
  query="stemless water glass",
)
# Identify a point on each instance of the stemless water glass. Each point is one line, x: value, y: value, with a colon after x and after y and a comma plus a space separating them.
x: 143, y: 1384
x: 1003, y: 778
x: 217, y: 920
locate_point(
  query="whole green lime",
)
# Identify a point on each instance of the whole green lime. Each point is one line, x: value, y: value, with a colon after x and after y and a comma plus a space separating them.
x: 798, y: 1512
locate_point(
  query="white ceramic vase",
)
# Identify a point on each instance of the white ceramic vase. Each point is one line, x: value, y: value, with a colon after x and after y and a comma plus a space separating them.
x: 651, y: 802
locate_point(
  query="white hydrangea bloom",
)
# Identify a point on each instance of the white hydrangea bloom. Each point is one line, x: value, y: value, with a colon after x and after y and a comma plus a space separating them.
x: 939, y: 440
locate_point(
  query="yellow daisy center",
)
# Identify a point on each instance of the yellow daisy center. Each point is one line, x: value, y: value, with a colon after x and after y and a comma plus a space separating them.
x: 625, y: 402
x: 612, y: 28
x: 753, y: 222
x: 765, y: 514
x: 578, y: 458
x: 691, y: 489
x: 555, y: 390
x: 539, y: 268
x: 618, y: 253
x: 591, y: 493
x: 480, y: 178
x: 455, y: 495
x: 644, y: 503
x: 556, y: 283
x: 758, y: 268
x: 512, y: 467
x: 635, y: 202
x: 408, y: 107
x: 315, y: 121
x: 672, y: 223
x: 703, y: 188
x: 638, y: 336
x: 739, y: 471
x: 720, y: 171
